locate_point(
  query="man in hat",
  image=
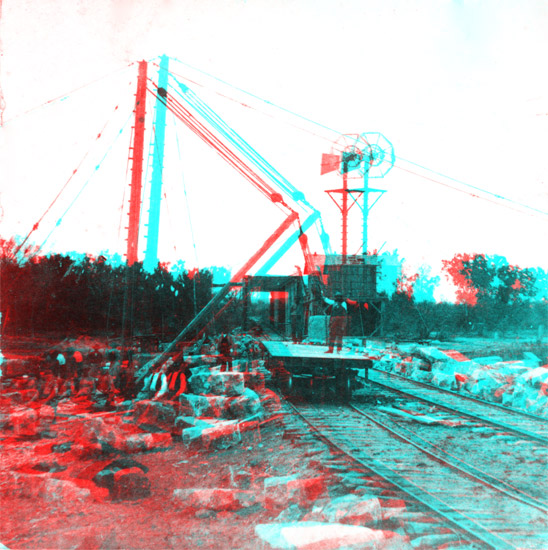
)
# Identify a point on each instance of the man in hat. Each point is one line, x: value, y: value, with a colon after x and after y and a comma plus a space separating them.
x: 337, y: 321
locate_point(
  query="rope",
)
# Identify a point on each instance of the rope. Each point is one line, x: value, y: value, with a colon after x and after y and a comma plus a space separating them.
x: 475, y: 195
x: 240, y: 144
x: 84, y: 186
x: 187, y: 204
x: 36, y: 225
x: 67, y: 95
x: 500, y: 197
x: 211, y: 139
x: 247, y: 106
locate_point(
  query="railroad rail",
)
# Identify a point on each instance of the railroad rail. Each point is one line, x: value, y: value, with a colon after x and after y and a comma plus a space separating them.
x: 524, y: 424
x: 487, y: 509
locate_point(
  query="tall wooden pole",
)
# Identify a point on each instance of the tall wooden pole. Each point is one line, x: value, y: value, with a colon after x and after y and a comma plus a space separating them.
x: 151, y: 252
x: 137, y: 165
x: 136, y: 155
x: 344, y: 212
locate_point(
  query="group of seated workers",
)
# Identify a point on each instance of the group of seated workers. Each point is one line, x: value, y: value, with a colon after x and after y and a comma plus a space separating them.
x: 100, y: 381
x: 166, y: 381
x: 89, y: 379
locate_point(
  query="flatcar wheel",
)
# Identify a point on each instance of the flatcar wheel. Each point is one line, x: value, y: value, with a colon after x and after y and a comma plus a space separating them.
x: 343, y: 385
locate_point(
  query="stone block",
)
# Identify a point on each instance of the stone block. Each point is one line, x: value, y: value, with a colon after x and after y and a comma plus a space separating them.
x: 139, y: 442
x: 155, y: 413
x: 130, y: 484
x: 218, y: 500
x: 444, y: 380
x: 190, y: 435
x: 314, y: 535
x: 348, y: 509
x: 65, y: 491
x: 47, y: 414
x: 270, y: 401
x: 212, y: 406
x: 534, y: 377
x: 222, y: 435
x: 248, y: 404
x: 254, y: 380
x: 217, y: 383
x: 433, y: 354
x: 125, y: 479
x: 317, y: 329
x: 279, y: 492
x: 44, y: 486
x: 24, y: 421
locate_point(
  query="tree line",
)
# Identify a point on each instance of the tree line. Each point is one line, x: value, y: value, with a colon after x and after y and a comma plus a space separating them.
x: 56, y: 293
x: 99, y: 296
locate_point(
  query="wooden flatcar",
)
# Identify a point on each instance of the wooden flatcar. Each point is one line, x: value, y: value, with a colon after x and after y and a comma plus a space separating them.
x: 310, y: 372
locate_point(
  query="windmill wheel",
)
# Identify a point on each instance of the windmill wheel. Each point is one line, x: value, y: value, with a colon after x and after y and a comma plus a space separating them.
x: 353, y: 150
x: 381, y: 156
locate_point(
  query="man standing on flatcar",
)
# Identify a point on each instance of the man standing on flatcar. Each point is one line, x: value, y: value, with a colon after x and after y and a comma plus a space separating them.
x: 338, y: 319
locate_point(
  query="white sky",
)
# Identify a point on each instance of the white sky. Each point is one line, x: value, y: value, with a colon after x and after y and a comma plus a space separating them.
x: 459, y: 87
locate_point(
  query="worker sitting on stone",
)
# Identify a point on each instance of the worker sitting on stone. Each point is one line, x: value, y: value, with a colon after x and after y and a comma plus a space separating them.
x: 155, y: 383
x: 87, y: 389
x: 176, y: 379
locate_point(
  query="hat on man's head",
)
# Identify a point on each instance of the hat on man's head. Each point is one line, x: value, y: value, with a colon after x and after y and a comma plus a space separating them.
x: 338, y: 295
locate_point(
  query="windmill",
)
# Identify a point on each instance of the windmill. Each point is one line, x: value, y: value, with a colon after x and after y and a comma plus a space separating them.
x: 357, y: 156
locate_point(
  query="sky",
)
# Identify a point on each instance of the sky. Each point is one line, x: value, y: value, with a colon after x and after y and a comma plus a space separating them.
x: 458, y: 88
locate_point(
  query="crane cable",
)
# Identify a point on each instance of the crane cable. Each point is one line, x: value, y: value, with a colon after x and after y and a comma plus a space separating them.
x: 500, y: 197
x: 58, y: 223
x: 211, y: 139
x: 187, y: 203
x: 240, y: 144
x: 67, y: 95
x: 36, y: 225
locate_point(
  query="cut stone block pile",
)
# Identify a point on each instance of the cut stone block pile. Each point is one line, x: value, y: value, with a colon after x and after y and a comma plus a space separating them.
x: 521, y: 384
x: 226, y: 408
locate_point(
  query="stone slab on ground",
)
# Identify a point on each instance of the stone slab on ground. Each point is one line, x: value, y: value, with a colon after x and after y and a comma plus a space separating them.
x: 24, y: 421
x: 217, y: 499
x: 204, y: 405
x: 123, y: 436
x: 313, y: 535
x: 348, y: 509
x: 42, y: 486
x: 282, y: 490
x: 155, y: 413
x: 214, y: 382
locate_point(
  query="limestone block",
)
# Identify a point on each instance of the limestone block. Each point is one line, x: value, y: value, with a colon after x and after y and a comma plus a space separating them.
x: 221, y: 435
x: 318, y: 329
x: 139, y: 442
x: 443, y: 379
x: 248, y: 404
x: 433, y: 354
x: 270, y: 401
x: 217, y: 383
x: 219, y: 500
x: 534, y: 377
x: 349, y: 509
x: 328, y: 536
x: 130, y: 484
x: 213, y: 406
x: 23, y: 421
x: 155, y: 413
x: 281, y: 491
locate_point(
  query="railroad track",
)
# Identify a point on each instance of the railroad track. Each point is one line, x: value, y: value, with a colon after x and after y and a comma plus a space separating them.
x: 486, y: 508
x: 524, y: 424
